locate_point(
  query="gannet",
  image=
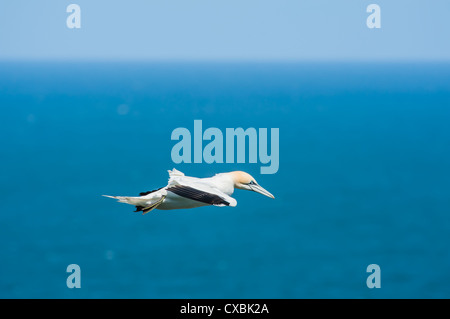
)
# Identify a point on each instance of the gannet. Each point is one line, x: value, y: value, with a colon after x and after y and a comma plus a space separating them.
x: 189, y: 192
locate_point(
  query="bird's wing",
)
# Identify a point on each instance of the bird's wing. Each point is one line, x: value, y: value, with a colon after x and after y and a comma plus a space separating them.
x: 211, y: 196
x: 175, y: 172
x: 174, y: 176
x: 178, y: 178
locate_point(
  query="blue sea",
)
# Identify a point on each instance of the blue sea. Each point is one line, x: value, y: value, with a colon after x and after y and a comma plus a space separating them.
x: 364, y: 178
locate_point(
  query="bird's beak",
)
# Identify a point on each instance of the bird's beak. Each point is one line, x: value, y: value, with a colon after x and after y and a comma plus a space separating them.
x: 259, y: 189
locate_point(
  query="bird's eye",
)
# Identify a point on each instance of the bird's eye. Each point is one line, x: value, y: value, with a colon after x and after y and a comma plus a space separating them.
x: 252, y: 183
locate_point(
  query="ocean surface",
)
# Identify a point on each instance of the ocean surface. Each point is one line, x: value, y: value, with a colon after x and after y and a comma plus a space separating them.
x: 364, y: 178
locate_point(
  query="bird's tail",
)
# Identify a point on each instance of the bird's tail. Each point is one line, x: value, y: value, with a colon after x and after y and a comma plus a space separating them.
x: 136, y: 201
x: 143, y: 204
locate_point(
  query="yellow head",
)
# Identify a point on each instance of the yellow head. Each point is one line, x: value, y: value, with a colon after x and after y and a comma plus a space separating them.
x: 243, y: 180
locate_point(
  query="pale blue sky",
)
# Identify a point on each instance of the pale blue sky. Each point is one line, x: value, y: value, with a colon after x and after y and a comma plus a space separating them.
x: 249, y: 30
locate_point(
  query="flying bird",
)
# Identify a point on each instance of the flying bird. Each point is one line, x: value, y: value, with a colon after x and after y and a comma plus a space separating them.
x: 189, y: 192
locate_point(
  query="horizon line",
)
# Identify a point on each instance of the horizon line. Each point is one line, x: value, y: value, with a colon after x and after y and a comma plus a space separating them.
x: 224, y: 61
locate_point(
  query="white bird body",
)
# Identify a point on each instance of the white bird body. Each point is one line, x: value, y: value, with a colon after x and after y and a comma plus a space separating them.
x: 189, y: 192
